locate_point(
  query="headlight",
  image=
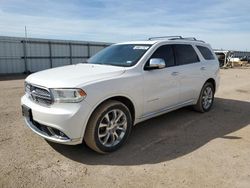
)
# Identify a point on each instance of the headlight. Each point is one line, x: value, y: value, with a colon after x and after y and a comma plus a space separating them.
x: 68, y: 95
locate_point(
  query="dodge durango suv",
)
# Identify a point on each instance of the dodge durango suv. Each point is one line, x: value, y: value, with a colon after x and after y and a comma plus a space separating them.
x: 98, y: 102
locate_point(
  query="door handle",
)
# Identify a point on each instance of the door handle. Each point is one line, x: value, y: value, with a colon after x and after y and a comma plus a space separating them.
x: 174, y: 73
x: 203, y: 68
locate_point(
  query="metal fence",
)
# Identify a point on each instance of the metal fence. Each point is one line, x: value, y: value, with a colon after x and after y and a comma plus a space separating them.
x: 20, y: 55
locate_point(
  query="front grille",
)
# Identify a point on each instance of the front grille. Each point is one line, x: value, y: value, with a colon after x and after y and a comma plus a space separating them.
x: 38, y: 94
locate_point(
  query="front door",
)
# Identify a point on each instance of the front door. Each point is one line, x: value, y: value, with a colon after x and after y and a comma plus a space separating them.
x: 161, y: 86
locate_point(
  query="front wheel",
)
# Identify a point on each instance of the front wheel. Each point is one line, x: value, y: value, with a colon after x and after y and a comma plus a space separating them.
x: 206, y: 98
x: 109, y: 127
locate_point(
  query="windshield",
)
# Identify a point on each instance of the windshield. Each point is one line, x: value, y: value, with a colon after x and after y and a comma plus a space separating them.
x: 124, y: 55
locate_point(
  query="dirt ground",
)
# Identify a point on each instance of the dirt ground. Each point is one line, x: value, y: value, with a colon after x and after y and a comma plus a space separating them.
x: 180, y: 149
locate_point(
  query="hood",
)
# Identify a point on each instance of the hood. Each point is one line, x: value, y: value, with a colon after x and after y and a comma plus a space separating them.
x: 73, y: 75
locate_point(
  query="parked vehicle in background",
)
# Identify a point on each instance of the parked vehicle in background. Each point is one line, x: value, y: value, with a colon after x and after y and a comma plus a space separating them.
x: 245, y: 58
x: 234, y: 59
x: 120, y: 86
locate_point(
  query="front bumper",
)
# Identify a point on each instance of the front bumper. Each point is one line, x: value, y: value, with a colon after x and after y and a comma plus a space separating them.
x: 54, y: 138
x: 67, y: 118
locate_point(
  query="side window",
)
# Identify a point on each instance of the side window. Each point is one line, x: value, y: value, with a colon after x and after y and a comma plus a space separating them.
x: 206, y: 53
x: 165, y: 52
x: 185, y: 54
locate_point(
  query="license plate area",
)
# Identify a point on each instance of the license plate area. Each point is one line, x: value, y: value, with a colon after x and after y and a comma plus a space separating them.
x: 26, y: 111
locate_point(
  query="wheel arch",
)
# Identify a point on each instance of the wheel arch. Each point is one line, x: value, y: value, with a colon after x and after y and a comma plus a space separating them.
x: 212, y: 81
x: 126, y: 101
x: 121, y: 98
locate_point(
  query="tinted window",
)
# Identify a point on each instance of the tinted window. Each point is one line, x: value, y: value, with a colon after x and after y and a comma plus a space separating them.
x: 185, y: 54
x: 166, y: 53
x: 120, y: 55
x: 206, y: 53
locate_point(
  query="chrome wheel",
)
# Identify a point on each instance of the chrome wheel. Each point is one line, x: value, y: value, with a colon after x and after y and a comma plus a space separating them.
x: 207, y: 97
x: 112, y: 128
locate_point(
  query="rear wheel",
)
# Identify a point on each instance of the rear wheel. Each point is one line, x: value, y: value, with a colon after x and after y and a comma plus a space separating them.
x: 206, y: 98
x: 108, y: 127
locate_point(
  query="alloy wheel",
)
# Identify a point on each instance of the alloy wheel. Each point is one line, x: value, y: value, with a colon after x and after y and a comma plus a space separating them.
x: 207, y: 97
x: 112, y: 128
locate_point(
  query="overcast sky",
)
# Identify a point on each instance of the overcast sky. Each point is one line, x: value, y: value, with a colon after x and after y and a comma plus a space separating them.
x: 222, y: 23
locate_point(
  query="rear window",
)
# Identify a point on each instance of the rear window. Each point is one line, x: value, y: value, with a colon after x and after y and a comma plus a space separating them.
x: 185, y: 54
x: 206, y: 53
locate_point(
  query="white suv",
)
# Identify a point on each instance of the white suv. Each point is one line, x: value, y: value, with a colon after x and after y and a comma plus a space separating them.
x: 122, y: 85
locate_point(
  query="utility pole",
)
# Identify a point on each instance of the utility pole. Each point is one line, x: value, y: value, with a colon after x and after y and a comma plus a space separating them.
x: 25, y: 33
x: 25, y: 50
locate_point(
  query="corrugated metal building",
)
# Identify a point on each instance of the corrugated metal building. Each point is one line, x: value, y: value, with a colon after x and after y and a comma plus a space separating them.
x: 18, y: 55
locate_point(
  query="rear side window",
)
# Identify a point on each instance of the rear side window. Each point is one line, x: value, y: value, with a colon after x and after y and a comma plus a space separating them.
x: 206, y: 53
x: 165, y: 52
x: 185, y: 54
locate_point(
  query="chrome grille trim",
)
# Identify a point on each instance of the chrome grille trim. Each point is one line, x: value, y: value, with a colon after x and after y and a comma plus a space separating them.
x: 41, y: 96
x: 38, y: 94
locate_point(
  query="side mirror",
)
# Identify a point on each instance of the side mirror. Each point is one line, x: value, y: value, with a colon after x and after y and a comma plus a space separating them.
x: 156, y: 63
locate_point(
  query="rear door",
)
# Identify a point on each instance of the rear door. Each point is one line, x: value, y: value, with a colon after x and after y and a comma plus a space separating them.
x: 210, y: 62
x: 210, y: 67
x: 189, y: 70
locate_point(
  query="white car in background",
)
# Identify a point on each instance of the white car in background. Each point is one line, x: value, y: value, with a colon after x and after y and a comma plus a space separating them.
x: 122, y: 85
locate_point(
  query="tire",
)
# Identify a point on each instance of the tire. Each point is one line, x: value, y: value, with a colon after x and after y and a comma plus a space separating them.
x: 206, y: 99
x: 109, y: 127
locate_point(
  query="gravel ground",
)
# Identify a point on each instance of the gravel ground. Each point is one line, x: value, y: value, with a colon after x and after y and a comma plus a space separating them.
x: 180, y: 149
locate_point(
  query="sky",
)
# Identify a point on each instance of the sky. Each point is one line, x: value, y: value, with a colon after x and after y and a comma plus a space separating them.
x: 225, y: 24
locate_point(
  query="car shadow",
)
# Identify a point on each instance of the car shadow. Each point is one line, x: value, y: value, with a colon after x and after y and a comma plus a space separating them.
x: 169, y: 136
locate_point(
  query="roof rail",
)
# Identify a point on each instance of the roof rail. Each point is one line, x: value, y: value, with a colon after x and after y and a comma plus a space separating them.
x: 188, y: 38
x: 168, y: 37
x: 176, y: 38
